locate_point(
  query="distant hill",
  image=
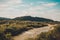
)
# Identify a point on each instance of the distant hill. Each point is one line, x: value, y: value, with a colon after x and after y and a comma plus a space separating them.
x: 29, y: 18
x: 3, y: 18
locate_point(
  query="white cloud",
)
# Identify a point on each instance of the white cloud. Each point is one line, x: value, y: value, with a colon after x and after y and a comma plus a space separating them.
x: 10, y: 3
x: 43, y: 6
x: 49, y: 4
x: 51, y: 14
x: 44, y: 11
x: 9, y: 9
x: 14, y: 2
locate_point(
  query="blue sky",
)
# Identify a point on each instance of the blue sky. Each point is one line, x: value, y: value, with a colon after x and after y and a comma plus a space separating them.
x: 40, y: 8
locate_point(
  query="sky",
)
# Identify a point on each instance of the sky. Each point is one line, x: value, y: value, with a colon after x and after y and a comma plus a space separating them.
x: 39, y: 8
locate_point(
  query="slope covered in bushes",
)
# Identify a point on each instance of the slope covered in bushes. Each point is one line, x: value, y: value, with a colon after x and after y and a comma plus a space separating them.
x: 30, y: 18
x: 12, y: 27
x: 51, y: 35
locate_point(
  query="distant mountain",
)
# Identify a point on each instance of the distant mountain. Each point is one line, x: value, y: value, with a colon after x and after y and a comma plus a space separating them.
x: 3, y: 18
x: 29, y: 18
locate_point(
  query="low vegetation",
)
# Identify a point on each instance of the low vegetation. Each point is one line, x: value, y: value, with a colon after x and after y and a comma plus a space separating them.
x: 16, y: 26
x: 13, y: 28
x: 51, y: 35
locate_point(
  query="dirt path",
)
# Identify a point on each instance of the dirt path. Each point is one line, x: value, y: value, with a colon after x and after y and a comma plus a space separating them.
x: 31, y: 33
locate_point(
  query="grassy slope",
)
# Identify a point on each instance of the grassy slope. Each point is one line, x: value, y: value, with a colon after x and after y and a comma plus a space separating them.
x: 13, y: 28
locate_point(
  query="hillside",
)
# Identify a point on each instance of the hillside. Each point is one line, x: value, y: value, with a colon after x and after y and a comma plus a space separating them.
x: 31, y: 33
x: 43, y: 33
x: 30, y: 18
x: 3, y: 18
x: 10, y: 28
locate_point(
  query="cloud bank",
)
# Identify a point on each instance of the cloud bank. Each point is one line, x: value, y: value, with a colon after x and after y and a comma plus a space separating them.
x: 41, y: 8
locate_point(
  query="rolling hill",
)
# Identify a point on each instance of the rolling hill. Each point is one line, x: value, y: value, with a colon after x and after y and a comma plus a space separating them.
x: 30, y: 18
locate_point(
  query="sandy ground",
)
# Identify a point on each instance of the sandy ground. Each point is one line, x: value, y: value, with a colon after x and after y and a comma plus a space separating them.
x: 31, y: 33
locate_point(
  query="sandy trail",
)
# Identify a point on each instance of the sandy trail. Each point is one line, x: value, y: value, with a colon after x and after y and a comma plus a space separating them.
x: 31, y: 33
